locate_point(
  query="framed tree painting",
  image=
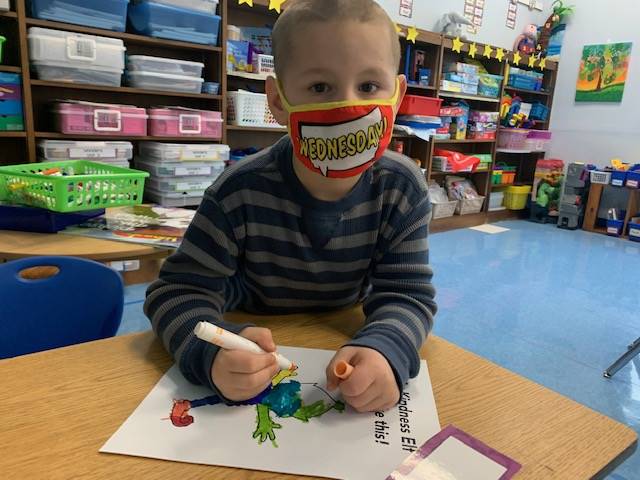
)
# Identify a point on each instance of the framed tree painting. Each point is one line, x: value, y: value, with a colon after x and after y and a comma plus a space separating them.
x: 603, y: 72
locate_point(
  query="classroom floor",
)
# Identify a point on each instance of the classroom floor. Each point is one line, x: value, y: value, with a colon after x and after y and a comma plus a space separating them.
x: 552, y: 305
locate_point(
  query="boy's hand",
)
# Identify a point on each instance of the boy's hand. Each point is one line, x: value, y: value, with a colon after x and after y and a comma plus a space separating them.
x: 371, y: 386
x: 242, y: 375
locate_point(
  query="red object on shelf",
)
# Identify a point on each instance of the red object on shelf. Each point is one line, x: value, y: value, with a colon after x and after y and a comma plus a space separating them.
x: 417, y: 105
x: 482, y: 135
x: 459, y: 161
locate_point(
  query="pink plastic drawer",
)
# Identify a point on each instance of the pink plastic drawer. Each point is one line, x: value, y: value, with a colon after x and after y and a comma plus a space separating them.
x: 100, y: 119
x: 178, y: 122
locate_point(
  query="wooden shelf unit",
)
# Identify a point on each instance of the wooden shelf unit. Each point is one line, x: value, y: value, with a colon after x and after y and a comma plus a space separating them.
x: 596, y: 190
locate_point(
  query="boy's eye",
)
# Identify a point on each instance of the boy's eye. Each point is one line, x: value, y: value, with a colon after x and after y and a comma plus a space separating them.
x: 368, y: 87
x: 320, y: 88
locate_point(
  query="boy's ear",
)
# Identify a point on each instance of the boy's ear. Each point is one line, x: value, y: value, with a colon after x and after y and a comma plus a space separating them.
x: 275, y: 102
x: 403, y: 89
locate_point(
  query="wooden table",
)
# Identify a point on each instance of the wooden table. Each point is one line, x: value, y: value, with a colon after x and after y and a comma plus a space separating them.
x: 14, y: 245
x: 59, y: 407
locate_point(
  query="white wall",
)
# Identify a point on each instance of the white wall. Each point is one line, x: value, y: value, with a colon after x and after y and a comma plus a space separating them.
x: 493, y: 31
x: 597, y: 132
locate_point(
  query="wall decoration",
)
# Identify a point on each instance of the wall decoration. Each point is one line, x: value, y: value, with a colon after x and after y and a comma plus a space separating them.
x: 512, y: 14
x: 603, y: 72
x: 406, y: 8
x: 474, y: 12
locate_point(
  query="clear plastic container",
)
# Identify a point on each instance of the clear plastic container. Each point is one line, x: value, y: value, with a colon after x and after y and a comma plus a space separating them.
x: 143, y: 63
x: 52, y: 150
x: 187, y: 122
x: 180, y: 152
x: 164, y: 21
x: 179, y: 184
x: 177, y: 199
x: 67, y: 49
x: 107, y: 14
x: 100, y: 119
x: 164, y: 81
x: 208, y: 6
x: 180, y: 169
x: 88, y: 75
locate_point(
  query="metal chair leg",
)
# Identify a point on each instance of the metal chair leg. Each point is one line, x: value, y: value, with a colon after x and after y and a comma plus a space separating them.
x: 634, y: 349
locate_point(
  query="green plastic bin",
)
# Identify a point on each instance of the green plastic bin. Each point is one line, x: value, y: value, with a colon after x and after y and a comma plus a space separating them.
x: 83, y: 185
x: 2, y: 40
x: 11, y: 123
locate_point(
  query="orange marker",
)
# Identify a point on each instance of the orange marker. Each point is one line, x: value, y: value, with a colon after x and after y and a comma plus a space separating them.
x: 342, y: 370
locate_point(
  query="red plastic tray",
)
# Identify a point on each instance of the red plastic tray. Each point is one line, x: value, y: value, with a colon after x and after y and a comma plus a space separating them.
x: 417, y: 105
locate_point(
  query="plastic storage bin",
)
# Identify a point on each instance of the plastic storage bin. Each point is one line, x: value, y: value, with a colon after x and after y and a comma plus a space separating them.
x: 88, y: 75
x: 208, y: 6
x: 515, y: 198
x: 614, y: 227
x: 10, y: 86
x: 143, y: 63
x: 77, y: 150
x: 107, y: 14
x: 164, y: 81
x: 179, y: 184
x: 180, y: 169
x: 178, y: 121
x: 523, y: 82
x: 165, y: 21
x: 29, y: 219
x: 513, y: 138
x: 634, y: 229
x: 539, y: 111
x: 178, y: 152
x: 496, y: 199
x: 490, y: 85
x: 176, y: 199
x: 248, y: 109
x: 11, y: 123
x: 633, y: 179
x: 538, y: 140
x: 417, y: 105
x: 262, y: 63
x: 444, y: 209
x: 83, y: 186
x: 100, y: 119
x: 469, y: 206
x: 10, y: 107
x: 618, y: 178
x: 603, y: 178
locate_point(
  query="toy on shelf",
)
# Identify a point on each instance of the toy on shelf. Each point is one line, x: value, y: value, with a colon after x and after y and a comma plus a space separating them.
x: 526, y: 41
x: 545, y: 194
x: 574, y: 195
x: 555, y: 25
x: 451, y: 24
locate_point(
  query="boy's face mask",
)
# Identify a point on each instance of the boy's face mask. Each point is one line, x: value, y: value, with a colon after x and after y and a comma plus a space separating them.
x: 341, y: 139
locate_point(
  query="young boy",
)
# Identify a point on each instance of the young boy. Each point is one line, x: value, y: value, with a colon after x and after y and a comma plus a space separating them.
x: 323, y: 219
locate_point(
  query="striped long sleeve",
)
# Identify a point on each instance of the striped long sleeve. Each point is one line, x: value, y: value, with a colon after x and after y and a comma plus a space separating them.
x: 260, y: 242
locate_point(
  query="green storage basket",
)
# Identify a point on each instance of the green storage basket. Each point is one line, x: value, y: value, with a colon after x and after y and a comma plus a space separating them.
x: 83, y: 186
x: 11, y: 123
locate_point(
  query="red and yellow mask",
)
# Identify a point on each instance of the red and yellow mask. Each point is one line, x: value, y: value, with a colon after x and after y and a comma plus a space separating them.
x: 341, y: 139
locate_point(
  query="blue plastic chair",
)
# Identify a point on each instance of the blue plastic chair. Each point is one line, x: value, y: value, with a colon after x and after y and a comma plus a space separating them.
x: 82, y: 302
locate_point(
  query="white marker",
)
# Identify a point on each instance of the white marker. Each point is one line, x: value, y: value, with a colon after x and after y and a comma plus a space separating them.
x: 230, y: 341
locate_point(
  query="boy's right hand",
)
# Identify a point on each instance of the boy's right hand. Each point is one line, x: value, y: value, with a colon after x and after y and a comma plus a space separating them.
x: 240, y: 375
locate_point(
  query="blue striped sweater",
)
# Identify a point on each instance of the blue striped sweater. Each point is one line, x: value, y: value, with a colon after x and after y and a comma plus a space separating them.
x: 260, y: 242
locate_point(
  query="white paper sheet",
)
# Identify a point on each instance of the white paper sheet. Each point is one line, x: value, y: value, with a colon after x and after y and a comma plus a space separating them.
x: 342, y: 445
x: 488, y: 228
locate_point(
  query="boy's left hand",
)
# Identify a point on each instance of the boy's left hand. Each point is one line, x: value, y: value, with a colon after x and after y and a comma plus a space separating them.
x: 371, y: 386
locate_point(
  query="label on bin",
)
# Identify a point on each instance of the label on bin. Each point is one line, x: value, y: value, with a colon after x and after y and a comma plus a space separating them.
x: 613, y: 230
x: 197, y: 152
x: 107, y: 120
x: 190, y: 124
x: 193, y: 171
x: 634, y: 232
x: 81, y: 48
x: 187, y: 186
x: 632, y: 183
x: 97, y: 152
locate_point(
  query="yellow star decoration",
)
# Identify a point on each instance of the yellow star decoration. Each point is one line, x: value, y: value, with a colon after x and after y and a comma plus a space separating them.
x: 543, y: 63
x: 473, y: 49
x: 457, y: 45
x: 517, y: 58
x: 275, y: 5
x: 532, y: 61
x: 398, y: 28
x: 248, y: 2
x: 500, y: 54
x: 488, y: 51
x: 412, y: 34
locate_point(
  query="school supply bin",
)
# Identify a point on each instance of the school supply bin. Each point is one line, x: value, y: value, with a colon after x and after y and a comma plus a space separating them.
x: 10, y: 86
x: 539, y: 112
x: 496, y: 199
x: 175, y: 199
x: 633, y: 177
x: 164, y: 81
x: 489, y: 85
x: 614, y: 227
x: 248, y: 109
x: 187, y: 122
x: 113, y: 153
x: 179, y: 184
x: 82, y: 185
x: 443, y: 209
x: 262, y: 64
x: 100, y: 119
x: 10, y: 107
x: 618, y: 178
x: 207, y: 6
x: 107, y: 14
x: 634, y: 229
x: 165, y: 21
x: 144, y: 63
x: 11, y: 123
x: 515, y: 198
x: 417, y: 105
x: 73, y: 57
x: 523, y: 82
x: 512, y: 138
x: 30, y: 219
x: 178, y: 152
x: 538, y: 140
x: 603, y: 178
x: 467, y: 206
x: 180, y: 169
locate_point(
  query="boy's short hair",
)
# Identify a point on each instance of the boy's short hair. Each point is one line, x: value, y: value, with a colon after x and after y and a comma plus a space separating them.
x: 298, y: 13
